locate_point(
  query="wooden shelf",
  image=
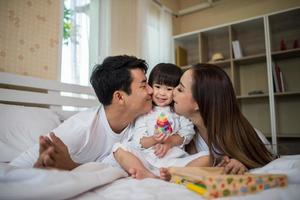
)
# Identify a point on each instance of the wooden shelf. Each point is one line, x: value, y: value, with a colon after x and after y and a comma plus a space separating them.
x: 278, y: 94
x: 252, y: 96
x: 251, y: 59
x: 290, y: 53
x: 291, y: 93
x: 283, y: 135
x: 222, y: 63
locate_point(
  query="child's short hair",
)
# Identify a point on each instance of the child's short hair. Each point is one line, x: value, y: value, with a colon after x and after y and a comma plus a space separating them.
x: 165, y: 74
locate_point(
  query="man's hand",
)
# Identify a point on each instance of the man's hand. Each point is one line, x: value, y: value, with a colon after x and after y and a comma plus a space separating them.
x: 46, y: 148
x: 54, y: 154
x: 232, y: 166
x: 160, y: 150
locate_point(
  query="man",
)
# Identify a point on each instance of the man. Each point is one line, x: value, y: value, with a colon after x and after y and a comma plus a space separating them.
x: 121, y: 87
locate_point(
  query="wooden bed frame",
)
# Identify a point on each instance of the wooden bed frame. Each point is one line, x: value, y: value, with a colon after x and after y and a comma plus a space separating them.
x: 30, y: 91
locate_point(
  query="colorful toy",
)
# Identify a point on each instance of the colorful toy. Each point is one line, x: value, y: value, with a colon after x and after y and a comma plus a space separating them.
x: 209, y: 182
x: 163, y: 125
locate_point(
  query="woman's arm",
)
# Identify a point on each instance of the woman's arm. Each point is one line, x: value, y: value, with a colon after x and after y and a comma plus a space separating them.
x: 191, y: 148
x: 232, y: 166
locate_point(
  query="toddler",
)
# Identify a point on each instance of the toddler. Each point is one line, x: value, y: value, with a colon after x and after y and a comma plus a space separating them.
x: 159, y: 136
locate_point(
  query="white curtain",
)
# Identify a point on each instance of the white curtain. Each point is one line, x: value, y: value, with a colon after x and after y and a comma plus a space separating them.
x: 166, y: 37
x: 105, y: 30
x: 155, y: 42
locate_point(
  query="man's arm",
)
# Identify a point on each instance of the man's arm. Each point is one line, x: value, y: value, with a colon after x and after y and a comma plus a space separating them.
x: 191, y: 148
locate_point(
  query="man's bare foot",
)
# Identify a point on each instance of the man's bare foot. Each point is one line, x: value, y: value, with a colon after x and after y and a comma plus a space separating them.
x: 164, y: 174
x: 140, y: 173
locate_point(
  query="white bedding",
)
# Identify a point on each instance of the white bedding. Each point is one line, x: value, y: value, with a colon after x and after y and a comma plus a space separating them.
x: 30, y: 183
x: 98, y: 181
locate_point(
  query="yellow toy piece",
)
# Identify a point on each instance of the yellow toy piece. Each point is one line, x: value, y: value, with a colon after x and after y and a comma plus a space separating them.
x: 196, y: 188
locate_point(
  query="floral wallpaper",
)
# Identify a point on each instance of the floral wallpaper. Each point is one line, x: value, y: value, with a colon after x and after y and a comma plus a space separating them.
x: 29, y: 37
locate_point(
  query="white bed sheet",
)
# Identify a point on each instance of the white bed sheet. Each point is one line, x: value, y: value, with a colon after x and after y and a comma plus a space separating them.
x: 156, y: 189
x: 98, y: 181
x: 31, y: 183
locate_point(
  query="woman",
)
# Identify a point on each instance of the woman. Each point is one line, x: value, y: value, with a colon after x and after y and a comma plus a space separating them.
x: 206, y: 96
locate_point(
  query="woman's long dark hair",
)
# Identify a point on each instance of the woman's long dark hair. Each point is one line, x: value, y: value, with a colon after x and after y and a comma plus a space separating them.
x: 229, y: 132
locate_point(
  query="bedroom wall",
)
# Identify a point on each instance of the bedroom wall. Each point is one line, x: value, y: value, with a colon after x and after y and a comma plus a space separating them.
x: 225, y: 11
x: 29, y: 37
x: 123, y: 27
x: 29, y: 42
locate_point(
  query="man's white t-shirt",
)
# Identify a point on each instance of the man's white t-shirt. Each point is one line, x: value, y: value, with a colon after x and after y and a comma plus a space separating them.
x: 87, y: 135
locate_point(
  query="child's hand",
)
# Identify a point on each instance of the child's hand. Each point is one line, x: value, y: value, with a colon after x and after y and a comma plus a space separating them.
x: 160, y: 150
x: 232, y: 166
x: 160, y: 137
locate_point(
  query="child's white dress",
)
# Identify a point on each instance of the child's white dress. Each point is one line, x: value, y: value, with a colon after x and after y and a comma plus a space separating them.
x: 167, y: 121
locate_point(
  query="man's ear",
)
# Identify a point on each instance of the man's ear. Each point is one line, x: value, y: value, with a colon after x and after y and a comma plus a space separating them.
x: 118, y: 97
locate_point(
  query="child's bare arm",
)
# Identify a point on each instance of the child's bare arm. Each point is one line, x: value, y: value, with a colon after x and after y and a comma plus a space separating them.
x: 171, y: 141
x: 147, y: 142
x: 174, y: 140
x: 160, y: 150
x: 157, y: 138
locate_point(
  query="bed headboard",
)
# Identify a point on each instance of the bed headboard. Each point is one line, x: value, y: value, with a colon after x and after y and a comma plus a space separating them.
x: 30, y: 91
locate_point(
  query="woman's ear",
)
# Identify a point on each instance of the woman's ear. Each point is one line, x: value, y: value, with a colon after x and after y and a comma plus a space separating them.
x: 196, y: 107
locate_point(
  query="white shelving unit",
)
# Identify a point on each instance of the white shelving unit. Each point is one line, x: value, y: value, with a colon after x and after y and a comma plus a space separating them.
x: 276, y: 114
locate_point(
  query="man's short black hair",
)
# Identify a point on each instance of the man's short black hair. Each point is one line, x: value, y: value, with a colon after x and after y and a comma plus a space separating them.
x: 114, y: 74
x: 165, y: 74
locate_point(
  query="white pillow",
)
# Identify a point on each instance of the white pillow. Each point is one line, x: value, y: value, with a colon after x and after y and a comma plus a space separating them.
x: 20, y: 128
